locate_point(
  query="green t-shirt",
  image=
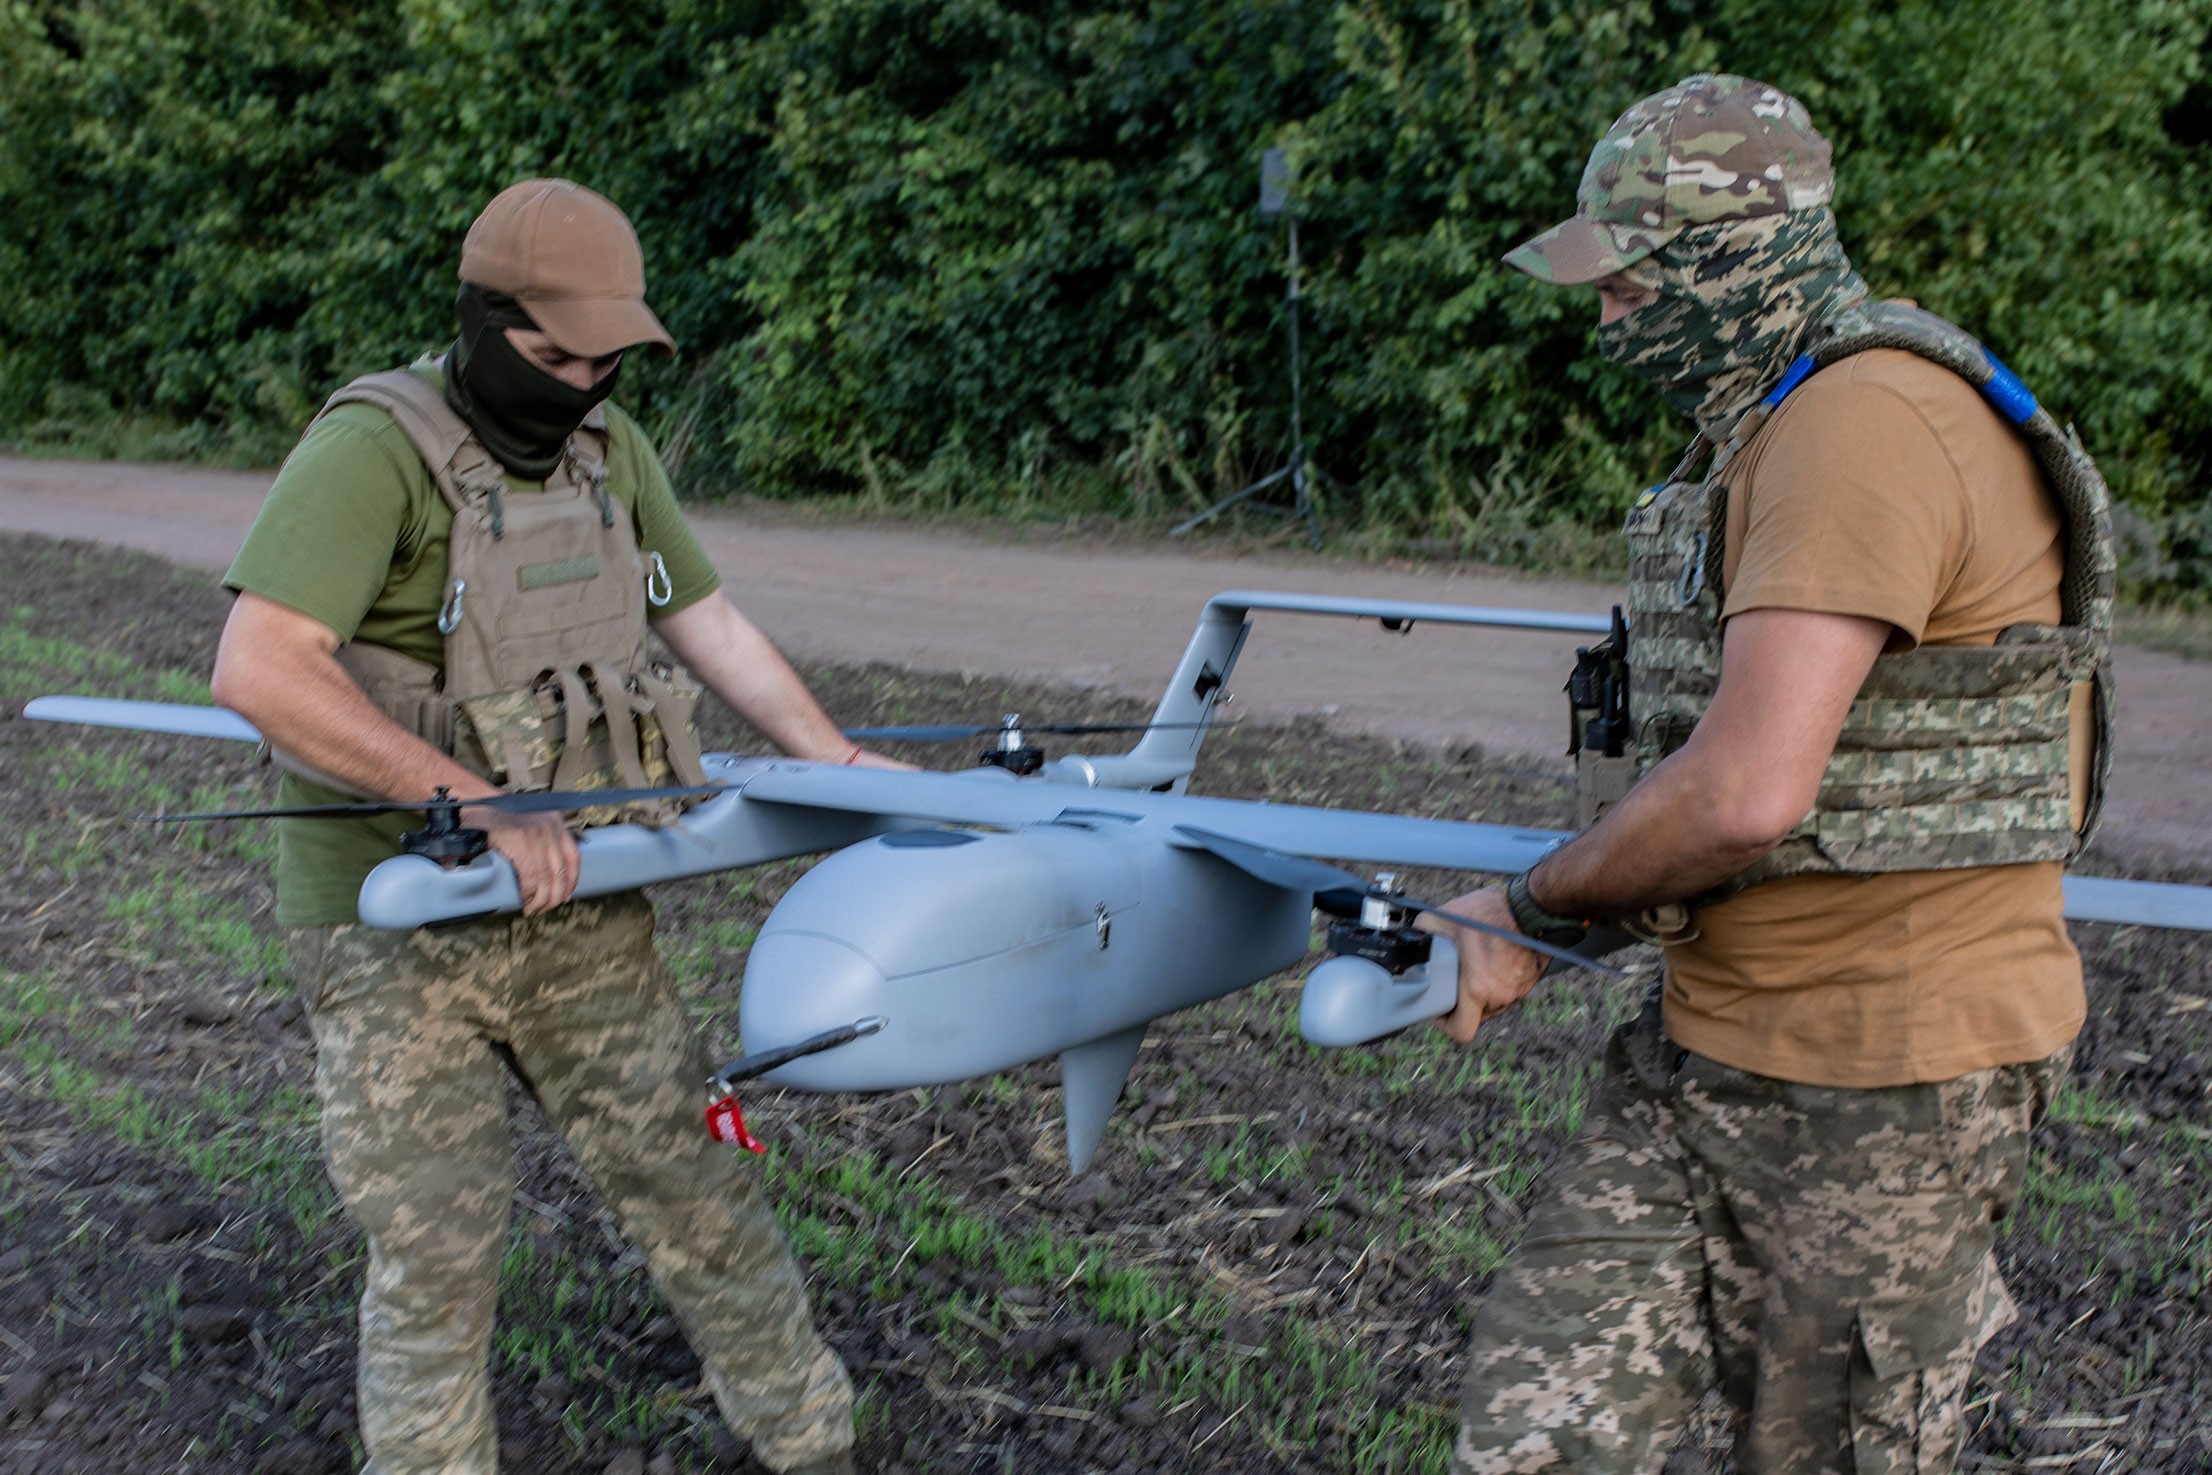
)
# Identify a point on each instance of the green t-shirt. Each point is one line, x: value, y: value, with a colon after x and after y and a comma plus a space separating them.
x: 353, y: 535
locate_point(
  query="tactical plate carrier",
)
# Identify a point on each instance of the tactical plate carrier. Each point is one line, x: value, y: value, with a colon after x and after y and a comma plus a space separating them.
x: 1950, y: 756
x: 546, y: 681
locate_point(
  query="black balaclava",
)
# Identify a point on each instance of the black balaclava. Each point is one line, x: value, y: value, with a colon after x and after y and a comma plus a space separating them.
x: 523, y: 415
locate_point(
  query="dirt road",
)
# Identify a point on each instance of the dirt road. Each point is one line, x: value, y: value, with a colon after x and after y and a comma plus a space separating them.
x: 1118, y: 618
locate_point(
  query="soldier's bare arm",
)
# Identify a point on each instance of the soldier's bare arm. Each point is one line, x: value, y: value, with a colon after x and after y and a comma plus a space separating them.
x: 742, y: 666
x: 277, y: 668
x: 1750, y: 771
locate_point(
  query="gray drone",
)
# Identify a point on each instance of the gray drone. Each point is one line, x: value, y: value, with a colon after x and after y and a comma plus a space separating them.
x: 972, y: 922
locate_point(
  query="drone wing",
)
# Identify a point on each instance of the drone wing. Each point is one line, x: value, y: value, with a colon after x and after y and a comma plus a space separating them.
x: 1342, y: 834
x: 1339, y: 834
x: 171, y: 717
x: 960, y: 799
x: 2139, y: 903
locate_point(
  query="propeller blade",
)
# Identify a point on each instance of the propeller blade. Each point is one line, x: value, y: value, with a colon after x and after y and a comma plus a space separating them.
x: 745, y: 1067
x: 1340, y: 901
x: 953, y: 733
x: 1291, y: 872
x: 1564, y: 955
x: 1300, y: 873
x: 171, y: 717
x: 303, y: 811
x: 1079, y: 729
x: 545, y: 801
x: 916, y: 733
x: 561, y: 801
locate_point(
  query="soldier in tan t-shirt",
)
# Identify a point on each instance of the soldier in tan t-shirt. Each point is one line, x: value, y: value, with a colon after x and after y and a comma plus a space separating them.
x: 1787, y: 1185
x: 1886, y: 488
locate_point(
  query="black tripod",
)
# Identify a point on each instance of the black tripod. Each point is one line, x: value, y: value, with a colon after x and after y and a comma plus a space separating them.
x: 1274, y: 200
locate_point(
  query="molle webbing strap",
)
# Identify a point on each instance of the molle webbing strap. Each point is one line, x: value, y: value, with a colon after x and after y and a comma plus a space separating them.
x: 577, y: 709
x: 677, y: 733
x: 1949, y: 756
x: 622, y: 711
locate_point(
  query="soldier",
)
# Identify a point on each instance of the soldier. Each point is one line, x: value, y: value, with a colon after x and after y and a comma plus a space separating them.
x: 450, y: 585
x: 1867, y: 714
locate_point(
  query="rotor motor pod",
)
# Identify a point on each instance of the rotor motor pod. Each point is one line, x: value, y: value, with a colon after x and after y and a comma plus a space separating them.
x: 1382, y: 933
x: 443, y: 838
x: 1013, y: 752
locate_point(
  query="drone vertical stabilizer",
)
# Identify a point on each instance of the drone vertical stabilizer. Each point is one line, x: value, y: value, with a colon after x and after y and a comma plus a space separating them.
x: 1091, y: 1078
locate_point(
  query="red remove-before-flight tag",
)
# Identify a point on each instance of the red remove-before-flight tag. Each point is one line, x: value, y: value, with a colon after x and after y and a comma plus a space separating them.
x: 725, y: 1123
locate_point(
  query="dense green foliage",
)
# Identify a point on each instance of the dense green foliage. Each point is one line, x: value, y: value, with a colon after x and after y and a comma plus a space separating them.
x: 1004, y: 253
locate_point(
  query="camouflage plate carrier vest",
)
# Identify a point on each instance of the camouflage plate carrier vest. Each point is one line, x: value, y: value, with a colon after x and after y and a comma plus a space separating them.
x: 544, y: 618
x: 1950, y: 756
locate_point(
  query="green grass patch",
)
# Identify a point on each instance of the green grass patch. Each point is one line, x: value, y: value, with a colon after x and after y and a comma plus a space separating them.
x: 2132, y: 1240
x: 75, y: 1055
x: 170, y: 914
x: 2178, y: 630
x: 860, y: 1222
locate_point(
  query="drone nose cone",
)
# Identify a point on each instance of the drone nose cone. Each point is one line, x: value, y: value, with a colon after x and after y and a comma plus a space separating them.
x: 798, y: 984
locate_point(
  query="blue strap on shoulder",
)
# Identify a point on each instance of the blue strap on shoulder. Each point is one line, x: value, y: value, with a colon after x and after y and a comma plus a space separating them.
x: 2012, y: 399
x: 2004, y: 391
x: 1799, y: 370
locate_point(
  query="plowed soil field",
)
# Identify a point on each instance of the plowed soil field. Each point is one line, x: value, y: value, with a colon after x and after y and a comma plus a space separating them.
x: 1270, y: 1268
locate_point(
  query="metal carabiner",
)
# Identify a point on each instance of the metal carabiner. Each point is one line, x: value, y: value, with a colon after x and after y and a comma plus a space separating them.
x: 1693, y: 577
x: 449, y: 615
x: 659, y: 588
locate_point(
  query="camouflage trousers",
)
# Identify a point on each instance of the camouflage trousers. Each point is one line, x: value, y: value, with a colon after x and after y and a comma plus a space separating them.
x: 414, y: 1033
x: 1823, y: 1258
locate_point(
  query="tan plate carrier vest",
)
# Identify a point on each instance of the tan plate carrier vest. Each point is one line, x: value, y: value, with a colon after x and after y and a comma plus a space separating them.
x: 1950, y: 756
x: 544, y: 618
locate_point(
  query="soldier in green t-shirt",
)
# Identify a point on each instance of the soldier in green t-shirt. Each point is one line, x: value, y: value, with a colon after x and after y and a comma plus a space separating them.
x: 448, y: 546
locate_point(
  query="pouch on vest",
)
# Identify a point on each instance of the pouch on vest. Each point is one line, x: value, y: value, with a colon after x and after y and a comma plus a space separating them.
x: 556, y: 734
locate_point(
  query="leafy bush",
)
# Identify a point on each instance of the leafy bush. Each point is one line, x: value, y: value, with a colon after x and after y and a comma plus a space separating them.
x: 1004, y: 253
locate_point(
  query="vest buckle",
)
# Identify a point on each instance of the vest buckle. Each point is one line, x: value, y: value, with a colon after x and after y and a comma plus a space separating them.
x: 449, y: 614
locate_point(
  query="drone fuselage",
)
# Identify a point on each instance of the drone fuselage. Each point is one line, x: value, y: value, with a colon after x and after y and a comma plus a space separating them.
x: 983, y: 950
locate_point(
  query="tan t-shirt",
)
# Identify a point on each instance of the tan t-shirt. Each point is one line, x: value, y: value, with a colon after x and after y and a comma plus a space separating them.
x: 1886, y: 487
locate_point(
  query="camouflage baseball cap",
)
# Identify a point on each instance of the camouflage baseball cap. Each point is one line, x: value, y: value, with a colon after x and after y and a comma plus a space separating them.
x: 1712, y: 147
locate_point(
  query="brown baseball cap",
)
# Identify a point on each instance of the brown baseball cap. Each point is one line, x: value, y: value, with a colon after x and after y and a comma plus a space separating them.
x: 569, y: 256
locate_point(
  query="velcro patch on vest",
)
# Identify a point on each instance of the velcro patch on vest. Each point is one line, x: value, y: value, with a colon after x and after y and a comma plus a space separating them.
x: 560, y: 571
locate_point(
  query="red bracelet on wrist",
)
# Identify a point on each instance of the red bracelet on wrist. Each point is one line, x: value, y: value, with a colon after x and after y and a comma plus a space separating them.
x: 853, y: 757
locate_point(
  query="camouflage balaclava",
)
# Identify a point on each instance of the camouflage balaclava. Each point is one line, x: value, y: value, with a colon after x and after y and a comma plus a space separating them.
x: 1713, y: 195
x: 1734, y: 301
